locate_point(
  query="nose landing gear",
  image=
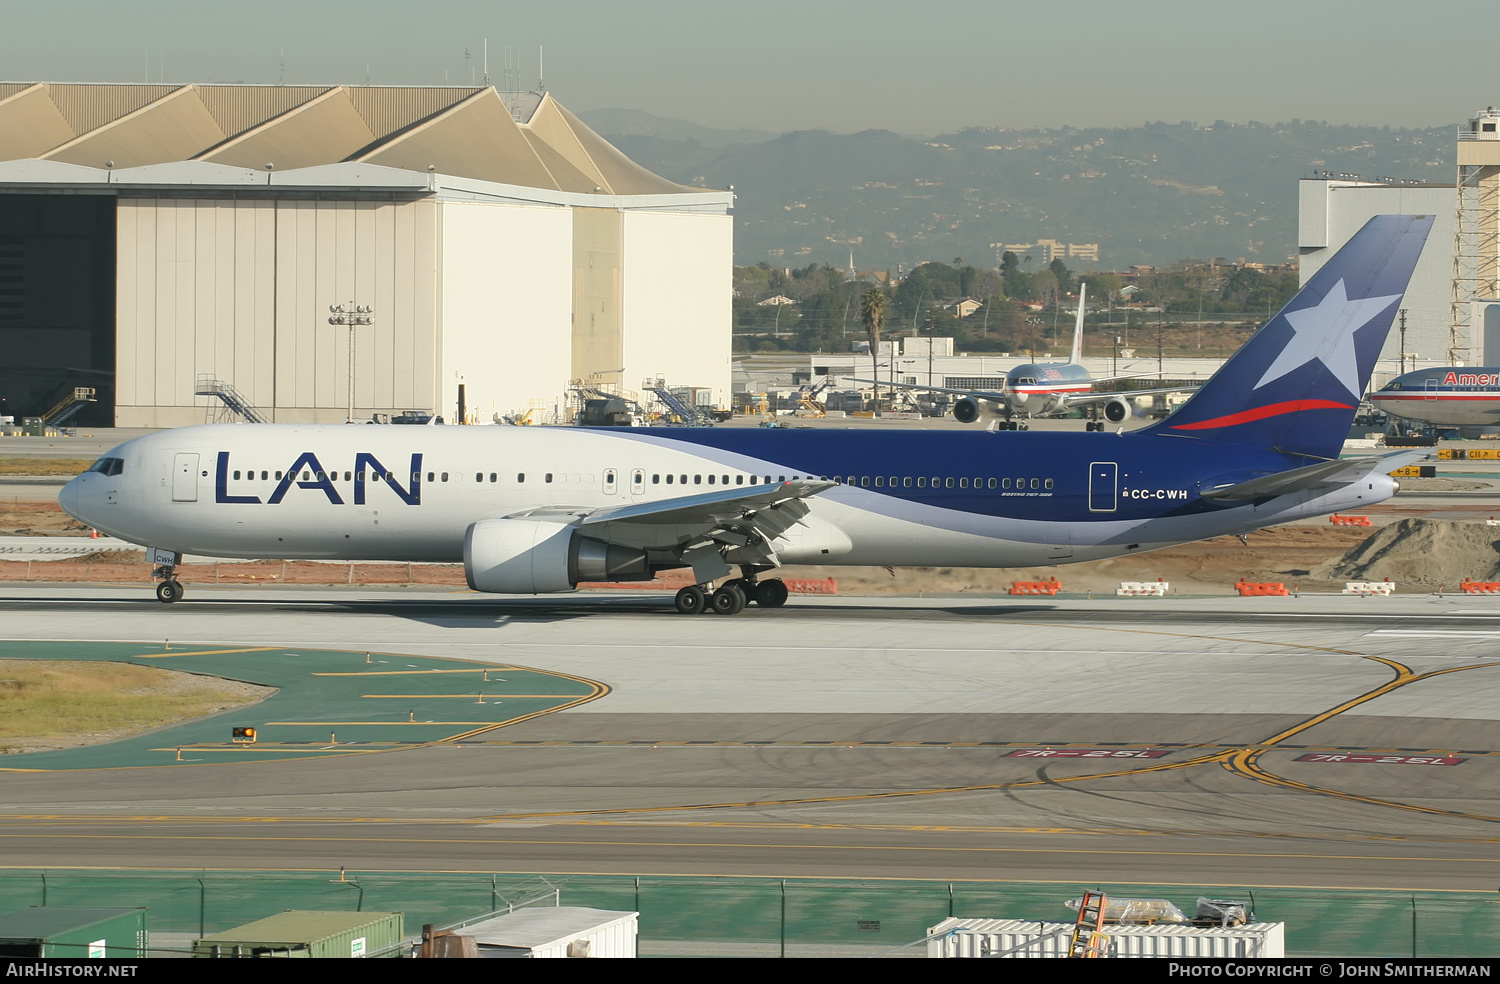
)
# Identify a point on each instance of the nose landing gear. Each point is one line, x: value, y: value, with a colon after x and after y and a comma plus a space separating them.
x: 170, y: 589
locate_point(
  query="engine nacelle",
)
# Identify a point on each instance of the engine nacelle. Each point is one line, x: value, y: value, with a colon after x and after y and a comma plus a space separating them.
x: 968, y: 409
x: 1118, y: 410
x: 533, y: 556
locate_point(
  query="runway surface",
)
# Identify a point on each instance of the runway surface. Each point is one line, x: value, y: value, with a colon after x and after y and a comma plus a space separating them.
x: 1313, y: 741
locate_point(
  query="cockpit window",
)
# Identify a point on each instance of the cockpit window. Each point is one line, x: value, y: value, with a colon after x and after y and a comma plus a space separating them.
x: 108, y: 466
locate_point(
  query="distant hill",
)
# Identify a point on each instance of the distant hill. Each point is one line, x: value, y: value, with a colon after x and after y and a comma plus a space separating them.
x: 635, y: 123
x: 1152, y: 194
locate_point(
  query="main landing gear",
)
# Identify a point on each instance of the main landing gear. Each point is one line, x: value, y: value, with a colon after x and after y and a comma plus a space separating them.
x: 732, y: 596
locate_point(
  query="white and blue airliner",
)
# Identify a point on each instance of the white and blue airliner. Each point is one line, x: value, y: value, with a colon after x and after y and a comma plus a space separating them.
x: 534, y: 510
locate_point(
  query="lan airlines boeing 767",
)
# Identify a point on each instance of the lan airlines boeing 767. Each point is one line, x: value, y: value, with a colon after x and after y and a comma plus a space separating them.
x: 532, y: 510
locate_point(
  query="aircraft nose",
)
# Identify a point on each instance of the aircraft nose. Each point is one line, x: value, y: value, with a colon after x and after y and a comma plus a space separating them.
x: 68, y: 498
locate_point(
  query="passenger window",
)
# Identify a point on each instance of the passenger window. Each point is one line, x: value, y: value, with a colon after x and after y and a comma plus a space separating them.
x: 479, y: 476
x: 656, y: 479
x: 492, y: 477
x: 548, y: 477
x: 710, y: 480
x: 948, y: 483
x: 783, y: 479
x: 879, y: 481
x: 922, y: 483
x: 726, y: 480
x: 1005, y: 483
x: 263, y: 476
x: 906, y: 482
x: 1049, y: 483
x: 697, y: 479
x: 682, y: 480
x: 236, y: 476
x: 307, y: 477
x: 992, y: 483
x: 739, y: 479
x: 445, y: 476
x: 669, y: 479
x: 431, y: 476
x: 963, y: 483
x: 864, y: 481
x: 1036, y: 483
x: 520, y: 478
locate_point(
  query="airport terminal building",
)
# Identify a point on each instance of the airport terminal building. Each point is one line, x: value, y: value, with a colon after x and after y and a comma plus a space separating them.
x: 155, y: 237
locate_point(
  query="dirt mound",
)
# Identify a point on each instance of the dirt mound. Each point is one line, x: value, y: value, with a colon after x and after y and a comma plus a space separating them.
x: 1421, y: 551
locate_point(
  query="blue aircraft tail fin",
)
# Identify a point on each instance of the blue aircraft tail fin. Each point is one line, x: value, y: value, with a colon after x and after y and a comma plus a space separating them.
x: 1295, y: 386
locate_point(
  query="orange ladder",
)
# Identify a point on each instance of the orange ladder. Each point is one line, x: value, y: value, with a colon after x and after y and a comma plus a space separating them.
x: 1088, y: 933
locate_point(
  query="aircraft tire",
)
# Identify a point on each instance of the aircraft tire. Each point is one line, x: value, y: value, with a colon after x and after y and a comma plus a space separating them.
x: 728, y: 600
x: 691, y: 600
x: 772, y: 593
x: 168, y: 592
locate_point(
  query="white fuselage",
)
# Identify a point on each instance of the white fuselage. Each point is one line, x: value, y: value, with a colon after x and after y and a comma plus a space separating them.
x: 411, y: 493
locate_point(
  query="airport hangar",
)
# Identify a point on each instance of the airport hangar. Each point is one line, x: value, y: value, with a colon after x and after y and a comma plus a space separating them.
x: 153, y: 236
x: 1453, y: 301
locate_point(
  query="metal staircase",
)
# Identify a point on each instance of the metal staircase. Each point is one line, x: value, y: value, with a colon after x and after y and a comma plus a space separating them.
x: 683, y: 413
x: 230, y: 398
x: 68, y: 406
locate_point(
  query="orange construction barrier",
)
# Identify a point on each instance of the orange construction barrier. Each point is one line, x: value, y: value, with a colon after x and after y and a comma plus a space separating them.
x: 1480, y: 587
x: 1338, y: 520
x: 797, y: 585
x: 1047, y: 587
x: 1249, y: 589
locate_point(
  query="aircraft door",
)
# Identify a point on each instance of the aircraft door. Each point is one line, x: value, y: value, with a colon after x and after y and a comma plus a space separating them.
x: 611, y: 481
x: 1430, y: 391
x: 185, y: 477
x: 638, y: 482
x: 1104, y: 485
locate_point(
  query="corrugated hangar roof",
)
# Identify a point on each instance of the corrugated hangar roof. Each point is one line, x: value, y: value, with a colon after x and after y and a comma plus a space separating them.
x: 525, y: 139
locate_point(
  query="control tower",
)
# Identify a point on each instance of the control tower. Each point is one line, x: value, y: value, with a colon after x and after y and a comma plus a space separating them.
x: 1474, y: 317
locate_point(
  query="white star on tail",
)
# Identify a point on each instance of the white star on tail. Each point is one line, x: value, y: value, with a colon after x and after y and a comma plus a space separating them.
x: 1326, y: 333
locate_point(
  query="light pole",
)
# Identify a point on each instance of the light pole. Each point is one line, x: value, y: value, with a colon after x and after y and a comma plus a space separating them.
x: 351, y: 315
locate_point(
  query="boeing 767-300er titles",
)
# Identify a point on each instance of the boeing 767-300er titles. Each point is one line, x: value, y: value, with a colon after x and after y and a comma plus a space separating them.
x: 532, y: 510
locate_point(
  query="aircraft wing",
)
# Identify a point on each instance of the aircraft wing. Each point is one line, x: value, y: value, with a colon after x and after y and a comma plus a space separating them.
x: 711, y: 509
x: 977, y: 394
x: 1088, y: 399
x: 1325, y: 475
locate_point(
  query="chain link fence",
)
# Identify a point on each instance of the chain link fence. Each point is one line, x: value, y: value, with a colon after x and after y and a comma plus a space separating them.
x: 760, y: 916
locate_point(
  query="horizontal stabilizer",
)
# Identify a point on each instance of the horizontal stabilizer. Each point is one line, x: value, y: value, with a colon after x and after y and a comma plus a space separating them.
x: 1324, y: 476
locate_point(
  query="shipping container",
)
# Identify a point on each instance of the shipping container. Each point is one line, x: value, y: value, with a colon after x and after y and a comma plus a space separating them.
x: 301, y: 933
x: 556, y: 931
x: 1031, y: 938
x: 67, y: 931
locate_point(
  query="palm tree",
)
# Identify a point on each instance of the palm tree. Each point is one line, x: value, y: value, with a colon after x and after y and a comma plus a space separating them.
x: 872, y: 315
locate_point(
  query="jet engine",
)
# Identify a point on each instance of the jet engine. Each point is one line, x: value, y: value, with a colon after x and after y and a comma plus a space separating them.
x: 533, y: 556
x: 1118, y: 410
x: 968, y: 409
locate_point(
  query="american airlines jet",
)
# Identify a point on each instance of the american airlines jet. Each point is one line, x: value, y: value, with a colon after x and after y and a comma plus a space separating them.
x: 1044, y: 389
x: 534, y: 510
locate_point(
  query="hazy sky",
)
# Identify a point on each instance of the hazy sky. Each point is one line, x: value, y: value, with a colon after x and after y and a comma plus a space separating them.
x: 917, y: 68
